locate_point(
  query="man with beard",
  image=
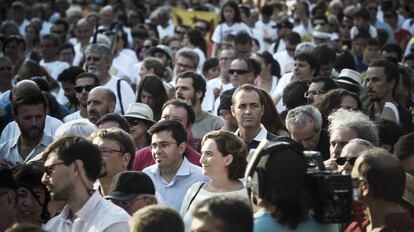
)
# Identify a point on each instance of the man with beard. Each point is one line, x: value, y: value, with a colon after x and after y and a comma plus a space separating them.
x: 99, y: 61
x: 72, y: 166
x: 29, y: 112
x: 101, y: 101
x: 192, y: 87
x: 382, y: 78
x: 84, y: 83
x: 117, y: 151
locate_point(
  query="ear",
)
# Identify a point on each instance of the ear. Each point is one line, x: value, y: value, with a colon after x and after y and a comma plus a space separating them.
x: 228, y: 159
x: 199, y: 93
x: 78, y: 166
x: 232, y: 111
x: 182, y: 147
x: 112, y: 106
x: 125, y: 160
x: 365, y: 189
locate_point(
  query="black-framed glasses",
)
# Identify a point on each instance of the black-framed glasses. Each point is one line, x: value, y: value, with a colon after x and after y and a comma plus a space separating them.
x: 48, y: 170
x: 80, y: 88
x: 238, y: 71
x: 343, y: 160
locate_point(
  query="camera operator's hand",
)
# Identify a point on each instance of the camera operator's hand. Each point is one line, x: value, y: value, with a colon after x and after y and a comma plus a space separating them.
x: 331, y: 164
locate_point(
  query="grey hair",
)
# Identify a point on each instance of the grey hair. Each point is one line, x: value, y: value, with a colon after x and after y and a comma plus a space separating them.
x: 78, y: 127
x: 300, y: 116
x: 305, y: 47
x: 357, y: 121
x: 189, y: 54
x: 101, y: 49
x: 362, y: 142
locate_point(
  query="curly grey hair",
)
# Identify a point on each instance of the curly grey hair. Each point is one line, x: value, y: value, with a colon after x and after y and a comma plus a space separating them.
x: 357, y: 121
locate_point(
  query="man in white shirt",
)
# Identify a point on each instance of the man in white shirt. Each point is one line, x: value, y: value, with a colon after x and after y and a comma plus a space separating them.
x: 49, y: 48
x: 98, y: 61
x: 72, y: 166
x: 172, y: 174
x: 285, y: 57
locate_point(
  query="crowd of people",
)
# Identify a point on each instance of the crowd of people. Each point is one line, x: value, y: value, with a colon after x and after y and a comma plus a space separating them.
x: 116, y: 116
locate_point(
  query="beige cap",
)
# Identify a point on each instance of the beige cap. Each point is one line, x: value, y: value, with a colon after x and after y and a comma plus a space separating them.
x: 349, y: 76
x: 141, y: 111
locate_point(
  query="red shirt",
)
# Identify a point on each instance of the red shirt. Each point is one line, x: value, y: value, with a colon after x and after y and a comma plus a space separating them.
x: 143, y: 157
x: 395, y: 222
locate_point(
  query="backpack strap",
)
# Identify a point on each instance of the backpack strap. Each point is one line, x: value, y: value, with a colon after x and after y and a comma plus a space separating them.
x: 118, y: 89
x: 192, y: 199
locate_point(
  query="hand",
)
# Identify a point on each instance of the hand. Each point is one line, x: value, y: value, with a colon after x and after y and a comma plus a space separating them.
x: 331, y: 164
x: 217, y: 92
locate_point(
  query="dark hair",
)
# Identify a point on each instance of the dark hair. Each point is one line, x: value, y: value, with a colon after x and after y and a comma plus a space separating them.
x: 392, y: 47
x: 410, y: 56
x: 28, y: 97
x: 390, y: 70
x: 274, y: 65
x: 248, y: 88
x: 95, y: 78
x: 199, y: 84
x: 345, y: 60
x: 328, y: 83
x: 231, y: 213
x: 125, y: 141
x: 384, y: 174
x: 123, y: 124
x: 55, y: 39
x: 242, y: 37
x: 310, y: 59
x: 153, y: 85
x: 155, y: 218
x: 177, y: 130
x: 331, y: 101
x: 237, y: 15
x: 362, y: 13
x: 229, y: 143
x: 294, y: 94
x: 184, y: 104
x: 324, y: 54
x: 28, y: 70
x: 69, y: 75
x: 156, y: 65
x: 63, y: 22
x: 404, y: 148
x: 210, y: 63
x: 54, y: 109
x: 256, y: 66
x: 271, y: 118
x: 284, y: 170
x: 195, y: 37
x: 293, y: 38
x: 267, y: 10
x: 67, y: 46
x: 69, y: 149
x: 389, y: 132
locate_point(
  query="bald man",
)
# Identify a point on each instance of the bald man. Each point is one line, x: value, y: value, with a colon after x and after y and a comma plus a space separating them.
x: 101, y: 100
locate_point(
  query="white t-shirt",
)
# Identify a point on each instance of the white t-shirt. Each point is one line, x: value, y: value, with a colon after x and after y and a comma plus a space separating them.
x: 73, y: 116
x: 224, y: 29
x: 372, y: 32
x: 283, y: 82
x: 126, y: 91
x: 263, y: 30
x: 285, y: 61
x: 54, y: 68
x: 123, y: 65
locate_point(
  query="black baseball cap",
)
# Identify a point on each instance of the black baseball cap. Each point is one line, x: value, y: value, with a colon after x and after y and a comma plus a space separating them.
x: 129, y: 184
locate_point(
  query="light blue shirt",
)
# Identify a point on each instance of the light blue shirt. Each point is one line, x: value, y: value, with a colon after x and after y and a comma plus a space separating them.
x: 10, y: 150
x: 173, y: 192
x: 264, y: 222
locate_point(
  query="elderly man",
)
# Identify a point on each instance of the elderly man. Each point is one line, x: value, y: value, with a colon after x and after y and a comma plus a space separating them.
x: 350, y: 153
x: 304, y: 124
x: 101, y: 101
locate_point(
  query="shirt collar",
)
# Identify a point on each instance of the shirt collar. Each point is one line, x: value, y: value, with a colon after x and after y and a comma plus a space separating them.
x: 87, y: 209
x: 260, y: 136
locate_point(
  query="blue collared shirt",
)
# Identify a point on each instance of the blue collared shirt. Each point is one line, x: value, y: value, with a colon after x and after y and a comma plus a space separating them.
x: 173, y: 192
x: 10, y: 150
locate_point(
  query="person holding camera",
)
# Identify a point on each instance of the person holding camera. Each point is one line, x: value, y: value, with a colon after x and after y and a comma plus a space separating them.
x: 276, y: 177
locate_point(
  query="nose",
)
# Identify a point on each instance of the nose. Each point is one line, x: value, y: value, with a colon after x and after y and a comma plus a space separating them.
x: 202, y: 159
x: 45, y: 179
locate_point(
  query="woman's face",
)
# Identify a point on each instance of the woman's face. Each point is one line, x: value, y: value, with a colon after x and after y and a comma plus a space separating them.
x: 30, y: 33
x: 263, y: 66
x: 228, y: 13
x: 213, y: 72
x: 29, y: 209
x: 213, y: 162
x: 147, y: 98
x: 349, y: 103
x: 137, y: 128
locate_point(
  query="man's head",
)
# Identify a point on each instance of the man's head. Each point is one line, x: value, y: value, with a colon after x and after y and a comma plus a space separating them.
x: 226, y: 56
x: 350, y: 153
x: 361, y: 19
x: 179, y: 110
x: 8, y: 197
x: 101, y: 101
x: 83, y: 31
x: 84, y: 83
x: 359, y: 42
x: 382, y: 78
x: 6, y: 72
x: 241, y: 72
x: 304, y: 124
x: 248, y: 106
x: 98, y: 59
x: 292, y: 41
x: 67, y: 53
x: 107, y: 16
x: 168, y: 143
x: 392, y: 52
x: 319, y: 86
x: 404, y: 150
x: 49, y: 47
x: 110, y: 120
x: 345, y: 125
x: 29, y: 112
x: 72, y: 164
x: 156, y: 218
x: 380, y: 176
x: 225, y: 214
x: 371, y: 51
x: 326, y: 56
x: 132, y: 191
x: 67, y: 79
x: 185, y: 60
x: 190, y: 86
x: 243, y: 44
x: 117, y: 150
x: 60, y: 27
x: 306, y: 66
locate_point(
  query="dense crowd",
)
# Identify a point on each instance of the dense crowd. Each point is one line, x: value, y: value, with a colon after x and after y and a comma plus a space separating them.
x: 204, y: 115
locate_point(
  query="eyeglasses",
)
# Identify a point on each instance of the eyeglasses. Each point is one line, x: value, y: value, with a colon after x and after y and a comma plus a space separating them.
x: 238, y: 71
x: 180, y: 32
x: 313, y: 93
x: 161, y: 145
x: 107, y: 151
x: 79, y: 89
x: 343, y: 160
x: 48, y: 170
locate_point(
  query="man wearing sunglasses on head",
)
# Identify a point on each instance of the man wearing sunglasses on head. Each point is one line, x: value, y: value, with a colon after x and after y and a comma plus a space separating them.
x: 84, y: 83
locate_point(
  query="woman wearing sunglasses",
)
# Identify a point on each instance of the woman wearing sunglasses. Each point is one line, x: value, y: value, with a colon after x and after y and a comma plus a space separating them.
x: 350, y: 153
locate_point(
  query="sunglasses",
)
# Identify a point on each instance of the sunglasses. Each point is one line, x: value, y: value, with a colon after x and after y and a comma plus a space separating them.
x: 79, y: 89
x: 343, y: 160
x: 238, y: 71
x: 134, y: 122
